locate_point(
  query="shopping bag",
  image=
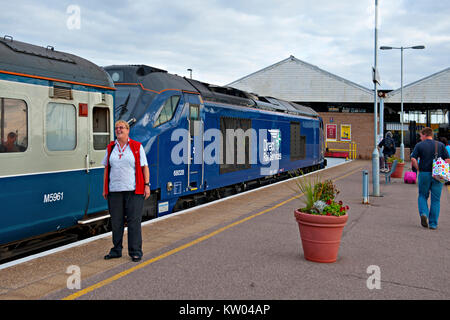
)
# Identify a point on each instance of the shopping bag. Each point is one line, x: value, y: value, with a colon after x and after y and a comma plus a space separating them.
x: 440, y: 170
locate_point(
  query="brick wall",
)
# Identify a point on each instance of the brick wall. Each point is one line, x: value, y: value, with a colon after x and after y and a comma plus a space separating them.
x: 361, y: 132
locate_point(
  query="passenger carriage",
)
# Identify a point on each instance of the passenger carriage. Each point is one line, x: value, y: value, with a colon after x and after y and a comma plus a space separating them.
x: 59, y: 107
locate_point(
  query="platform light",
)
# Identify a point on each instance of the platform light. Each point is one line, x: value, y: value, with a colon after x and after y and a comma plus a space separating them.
x: 402, y: 146
x: 376, y: 80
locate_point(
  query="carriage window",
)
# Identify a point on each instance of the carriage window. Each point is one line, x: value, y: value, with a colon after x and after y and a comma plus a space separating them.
x: 100, y: 128
x: 13, y: 125
x: 167, y: 110
x: 61, y: 133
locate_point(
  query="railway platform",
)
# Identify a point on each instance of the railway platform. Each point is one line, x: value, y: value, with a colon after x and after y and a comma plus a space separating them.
x: 247, y: 247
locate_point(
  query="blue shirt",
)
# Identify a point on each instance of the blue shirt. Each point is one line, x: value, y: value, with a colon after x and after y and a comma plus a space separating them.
x: 425, y: 150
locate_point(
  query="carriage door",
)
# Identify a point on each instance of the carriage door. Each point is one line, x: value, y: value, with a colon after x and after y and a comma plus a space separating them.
x: 100, y: 136
x: 195, y: 165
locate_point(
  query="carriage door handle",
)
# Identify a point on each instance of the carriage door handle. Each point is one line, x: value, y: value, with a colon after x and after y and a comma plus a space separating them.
x: 87, y: 163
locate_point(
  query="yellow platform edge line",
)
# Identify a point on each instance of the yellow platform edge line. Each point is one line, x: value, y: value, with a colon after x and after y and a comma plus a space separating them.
x: 187, y: 245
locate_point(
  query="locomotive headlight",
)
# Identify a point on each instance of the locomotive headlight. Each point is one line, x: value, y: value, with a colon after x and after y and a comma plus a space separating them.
x: 169, y: 186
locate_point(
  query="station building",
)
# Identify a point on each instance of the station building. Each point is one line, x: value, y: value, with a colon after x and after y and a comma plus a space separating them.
x: 347, y: 107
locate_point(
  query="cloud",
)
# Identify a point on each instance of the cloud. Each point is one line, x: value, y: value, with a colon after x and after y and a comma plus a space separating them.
x: 226, y: 40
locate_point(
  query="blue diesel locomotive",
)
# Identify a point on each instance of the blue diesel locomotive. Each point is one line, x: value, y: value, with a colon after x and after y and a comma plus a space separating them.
x: 202, y: 141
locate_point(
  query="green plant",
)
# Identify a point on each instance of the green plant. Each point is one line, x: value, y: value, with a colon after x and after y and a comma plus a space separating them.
x: 319, y: 196
x: 310, y: 188
x: 392, y: 158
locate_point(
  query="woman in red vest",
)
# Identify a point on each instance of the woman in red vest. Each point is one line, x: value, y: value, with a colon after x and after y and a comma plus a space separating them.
x: 125, y: 186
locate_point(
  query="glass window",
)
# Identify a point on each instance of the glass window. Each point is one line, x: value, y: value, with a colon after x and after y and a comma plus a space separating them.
x: 194, y: 112
x: 116, y: 75
x: 194, y: 117
x: 167, y: 110
x: 13, y: 125
x: 100, y: 128
x: 61, y: 133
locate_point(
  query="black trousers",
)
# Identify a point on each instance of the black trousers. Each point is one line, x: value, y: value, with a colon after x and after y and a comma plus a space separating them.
x: 126, y: 206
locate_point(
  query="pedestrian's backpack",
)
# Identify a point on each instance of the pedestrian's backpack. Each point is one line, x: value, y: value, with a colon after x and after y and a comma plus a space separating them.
x: 390, y: 143
x: 441, y: 170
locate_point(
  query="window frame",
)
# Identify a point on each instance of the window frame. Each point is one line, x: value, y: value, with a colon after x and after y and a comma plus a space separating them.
x: 160, y: 110
x: 101, y: 133
x: 46, y: 126
x: 5, y: 134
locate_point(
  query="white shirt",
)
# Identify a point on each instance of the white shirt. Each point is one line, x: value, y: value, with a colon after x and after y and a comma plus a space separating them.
x: 122, y: 176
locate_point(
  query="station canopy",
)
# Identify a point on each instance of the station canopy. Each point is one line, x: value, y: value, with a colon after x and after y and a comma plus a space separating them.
x: 295, y: 80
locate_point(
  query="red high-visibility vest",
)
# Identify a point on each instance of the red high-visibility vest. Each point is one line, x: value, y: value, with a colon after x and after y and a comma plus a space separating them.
x: 135, y: 147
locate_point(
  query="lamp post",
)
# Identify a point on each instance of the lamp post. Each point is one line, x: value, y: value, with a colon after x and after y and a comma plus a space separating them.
x: 402, y: 146
x: 376, y: 80
x: 190, y: 70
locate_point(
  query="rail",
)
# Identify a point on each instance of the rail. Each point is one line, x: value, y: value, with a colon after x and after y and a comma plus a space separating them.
x: 350, y: 152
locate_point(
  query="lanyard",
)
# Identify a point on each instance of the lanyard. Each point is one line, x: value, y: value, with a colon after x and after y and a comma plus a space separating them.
x: 121, y: 150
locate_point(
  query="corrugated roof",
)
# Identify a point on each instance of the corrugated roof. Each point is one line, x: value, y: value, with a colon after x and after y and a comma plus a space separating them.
x: 311, y: 66
x: 424, y: 90
x: 316, y: 75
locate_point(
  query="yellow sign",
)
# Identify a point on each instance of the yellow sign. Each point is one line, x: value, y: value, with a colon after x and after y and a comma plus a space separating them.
x: 346, y: 132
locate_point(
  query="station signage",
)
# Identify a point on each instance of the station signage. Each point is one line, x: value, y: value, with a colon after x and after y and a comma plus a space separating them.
x: 331, y: 132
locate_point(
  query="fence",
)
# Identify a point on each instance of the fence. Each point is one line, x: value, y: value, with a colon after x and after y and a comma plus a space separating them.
x: 348, y: 153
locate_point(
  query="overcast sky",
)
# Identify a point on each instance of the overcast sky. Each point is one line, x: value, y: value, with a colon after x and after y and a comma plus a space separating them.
x: 223, y: 41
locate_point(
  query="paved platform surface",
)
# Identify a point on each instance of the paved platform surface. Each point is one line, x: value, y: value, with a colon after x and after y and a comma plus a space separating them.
x: 248, y: 247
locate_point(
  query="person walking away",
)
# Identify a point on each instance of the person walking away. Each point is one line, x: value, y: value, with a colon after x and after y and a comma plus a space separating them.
x: 125, y: 186
x: 425, y: 152
x: 388, y: 145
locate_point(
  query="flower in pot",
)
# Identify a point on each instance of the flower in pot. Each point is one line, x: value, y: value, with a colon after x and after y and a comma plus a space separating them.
x: 322, y: 219
x: 399, y: 169
x: 392, y: 158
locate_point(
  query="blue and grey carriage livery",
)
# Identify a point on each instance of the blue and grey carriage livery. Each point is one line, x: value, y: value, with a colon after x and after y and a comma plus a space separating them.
x: 56, y: 118
x: 200, y: 138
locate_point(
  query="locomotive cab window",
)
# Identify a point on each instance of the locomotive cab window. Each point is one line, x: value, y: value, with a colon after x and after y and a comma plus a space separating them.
x: 194, y: 117
x: 167, y: 110
x: 100, y: 128
x: 13, y: 125
x: 60, y: 127
x: 194, y: 112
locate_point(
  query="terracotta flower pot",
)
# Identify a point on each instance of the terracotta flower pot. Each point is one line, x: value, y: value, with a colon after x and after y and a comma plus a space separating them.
x: 320, y: 235
x: 398, y: 173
